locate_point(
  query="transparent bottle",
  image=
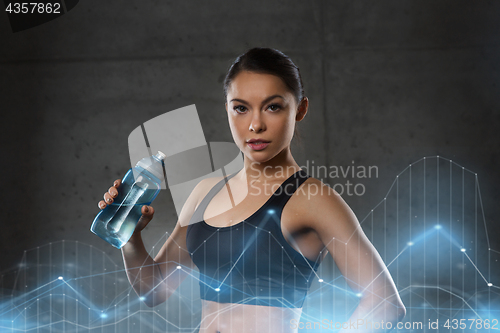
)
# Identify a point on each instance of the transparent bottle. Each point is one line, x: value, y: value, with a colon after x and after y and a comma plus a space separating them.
x: 140, y: 186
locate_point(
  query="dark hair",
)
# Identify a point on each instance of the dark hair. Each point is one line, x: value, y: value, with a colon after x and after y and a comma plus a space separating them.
x: 267, y: 61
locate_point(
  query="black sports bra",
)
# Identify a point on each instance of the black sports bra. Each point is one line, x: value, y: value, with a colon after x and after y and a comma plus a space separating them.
x: 251, y: 262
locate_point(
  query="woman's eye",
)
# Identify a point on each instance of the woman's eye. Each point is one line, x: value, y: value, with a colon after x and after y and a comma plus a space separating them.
x: 240, y: 108
x: 274, y: 107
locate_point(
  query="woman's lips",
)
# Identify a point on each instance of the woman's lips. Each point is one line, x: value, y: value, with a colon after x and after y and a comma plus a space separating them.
x: 257, y: 145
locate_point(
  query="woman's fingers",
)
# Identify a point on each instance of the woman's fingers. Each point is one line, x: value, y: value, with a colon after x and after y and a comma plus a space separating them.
x: 113, y: 192
x: 108, y: 198
x: 147, y: 216
x: 110, y: 195
x: 147, y: 211
x: 102, y: 204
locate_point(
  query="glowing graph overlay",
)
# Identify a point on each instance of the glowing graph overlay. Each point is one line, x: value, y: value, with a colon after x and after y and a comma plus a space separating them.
x: 430, y: 230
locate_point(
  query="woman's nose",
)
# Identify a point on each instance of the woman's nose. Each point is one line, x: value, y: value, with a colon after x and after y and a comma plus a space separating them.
x: 257, y: 124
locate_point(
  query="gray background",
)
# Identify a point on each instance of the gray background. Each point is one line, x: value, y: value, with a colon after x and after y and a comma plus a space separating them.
x: 388, y: 81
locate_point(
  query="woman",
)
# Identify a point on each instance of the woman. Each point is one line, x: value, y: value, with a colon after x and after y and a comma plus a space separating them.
x: 257, y: 236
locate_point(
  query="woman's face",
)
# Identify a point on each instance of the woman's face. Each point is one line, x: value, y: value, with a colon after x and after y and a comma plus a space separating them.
x: 260, y: 106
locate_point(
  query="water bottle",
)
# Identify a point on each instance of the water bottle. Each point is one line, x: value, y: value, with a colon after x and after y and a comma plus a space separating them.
x: 140, y: 186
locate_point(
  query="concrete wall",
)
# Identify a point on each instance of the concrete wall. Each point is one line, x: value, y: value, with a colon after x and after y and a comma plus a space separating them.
x: 389, y: 82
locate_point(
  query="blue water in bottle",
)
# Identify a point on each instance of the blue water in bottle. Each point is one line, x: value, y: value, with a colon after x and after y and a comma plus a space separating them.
x: 140, y: 186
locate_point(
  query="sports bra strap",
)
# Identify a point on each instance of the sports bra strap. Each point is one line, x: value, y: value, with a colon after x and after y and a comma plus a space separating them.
x: 287, y: 189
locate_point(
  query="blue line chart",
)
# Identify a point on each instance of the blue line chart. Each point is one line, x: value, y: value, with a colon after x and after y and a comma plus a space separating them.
x: 430, y: 229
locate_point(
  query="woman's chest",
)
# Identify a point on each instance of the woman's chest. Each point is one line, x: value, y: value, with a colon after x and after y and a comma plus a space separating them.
x: 260, y: 221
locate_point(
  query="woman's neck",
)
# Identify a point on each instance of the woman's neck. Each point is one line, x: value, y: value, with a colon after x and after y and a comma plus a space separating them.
x: 282, y: 165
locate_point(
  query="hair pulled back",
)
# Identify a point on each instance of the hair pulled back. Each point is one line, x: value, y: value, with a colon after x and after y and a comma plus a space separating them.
x: 267, y: 61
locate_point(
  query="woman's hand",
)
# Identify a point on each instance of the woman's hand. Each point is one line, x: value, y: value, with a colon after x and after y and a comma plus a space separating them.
x: 112, y: 193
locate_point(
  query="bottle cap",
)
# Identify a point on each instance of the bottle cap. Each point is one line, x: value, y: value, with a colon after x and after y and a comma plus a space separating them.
x: 161, y: 156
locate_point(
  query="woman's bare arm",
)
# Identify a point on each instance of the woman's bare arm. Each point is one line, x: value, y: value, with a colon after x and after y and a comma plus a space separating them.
x: 357, y: 259
x: 154, y: 280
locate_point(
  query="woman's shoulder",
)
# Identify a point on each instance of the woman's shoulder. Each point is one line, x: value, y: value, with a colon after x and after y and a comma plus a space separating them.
x: 204, y: 186
x: 314, y: 189
x: 208, y: 182
x: 197, y: 194
x: 316, y: 199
